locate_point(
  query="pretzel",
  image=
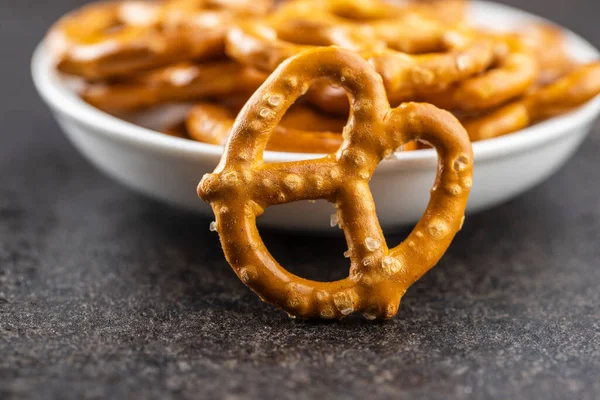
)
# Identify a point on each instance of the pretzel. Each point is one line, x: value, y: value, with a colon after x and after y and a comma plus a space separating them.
x: 548, y: 43
x: 557, y: 98
x: 449, y: 11
x: 242, y: 186
x: 516, y: 71
x: 212, y: 123
x: 106, y: 40
x: 180, y: 82
x: 265, y: 44
x: 301, y: 130
x: 377, y: 10
x: 407, y: 76
x: 343, y: 10
x: 178, y: 130
x: 244, y: 7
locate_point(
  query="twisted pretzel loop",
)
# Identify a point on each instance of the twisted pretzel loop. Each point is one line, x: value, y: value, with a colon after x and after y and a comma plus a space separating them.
x: 554, y: 99
x: 242, y: 186
x: 107, y: 40
x: 516, y: 70
x: 179, y: 82
x: 407, y: 76
x: 459, y: 53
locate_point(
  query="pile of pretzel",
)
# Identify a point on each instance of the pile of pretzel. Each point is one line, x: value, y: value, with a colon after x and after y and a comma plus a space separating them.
x: 134, y: 55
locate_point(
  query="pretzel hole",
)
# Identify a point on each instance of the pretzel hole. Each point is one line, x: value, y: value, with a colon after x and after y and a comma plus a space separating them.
x: 298, y: 251
x: 388, y: 196
x: 306, y: 129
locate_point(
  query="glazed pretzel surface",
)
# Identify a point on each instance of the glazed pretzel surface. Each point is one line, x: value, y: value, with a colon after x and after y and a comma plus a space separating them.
x: 179, y: 82
x: 516, y: 70
x: 242, y: 186
x: 303, y: 132
x: 557, y: 98
x: 548, y: 43
x: 106, y: 40
x: 264, y: 44
x: 460, y: 55
x: 450, y: 11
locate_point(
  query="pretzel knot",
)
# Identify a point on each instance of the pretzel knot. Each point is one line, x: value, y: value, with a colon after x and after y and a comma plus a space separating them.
x: 242, y: 186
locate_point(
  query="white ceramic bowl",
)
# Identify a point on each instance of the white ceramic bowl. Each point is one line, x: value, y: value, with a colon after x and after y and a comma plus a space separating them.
x: 168, y: 168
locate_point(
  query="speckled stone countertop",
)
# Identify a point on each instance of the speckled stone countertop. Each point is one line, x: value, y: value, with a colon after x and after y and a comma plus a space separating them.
x: 105, y: 294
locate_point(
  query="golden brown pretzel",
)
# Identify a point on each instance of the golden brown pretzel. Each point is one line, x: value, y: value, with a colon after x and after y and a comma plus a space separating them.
x: 343, y: 10
x: 557, y: 98
x: 451, y: 11
x: 407, y: 76
x: 548, y: 43
x: 105, y: 40
x: 303, y: 132
x: 515, y: 72
x: 264, y: 44
x: 413, y: 33
x: 179, y: 82
x: 243, y: 7
x: 242, y: 186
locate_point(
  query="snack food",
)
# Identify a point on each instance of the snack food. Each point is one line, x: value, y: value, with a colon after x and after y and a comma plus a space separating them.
x: 554, y: 99
x: 450, y: 11
x: 264, y: 44
x: 212, y: 123
x: 174, y: 83
x: 242, y: 186
x: 406, y: 77
x: 548, y: 44
x: 454, y: 53
x: 134, y: 55
x: 515, y: 71
x: 107, y: 40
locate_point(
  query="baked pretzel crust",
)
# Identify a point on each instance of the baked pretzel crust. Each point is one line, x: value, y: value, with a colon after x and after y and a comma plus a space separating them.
x: 242, y: 186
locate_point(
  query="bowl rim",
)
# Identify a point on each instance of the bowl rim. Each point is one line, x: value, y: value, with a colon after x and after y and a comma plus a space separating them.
x: 61, y: 99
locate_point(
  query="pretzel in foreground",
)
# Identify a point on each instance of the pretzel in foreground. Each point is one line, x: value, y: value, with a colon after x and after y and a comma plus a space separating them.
x: 242, y: 186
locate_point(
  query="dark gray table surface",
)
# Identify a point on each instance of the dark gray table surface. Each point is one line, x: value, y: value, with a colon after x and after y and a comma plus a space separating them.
x: 106, y: 294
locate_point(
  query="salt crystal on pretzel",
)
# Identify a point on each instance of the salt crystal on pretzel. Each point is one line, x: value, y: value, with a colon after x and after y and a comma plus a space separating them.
x: 212, y: 123
x: 301, y: 130
x: 242, y: 186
